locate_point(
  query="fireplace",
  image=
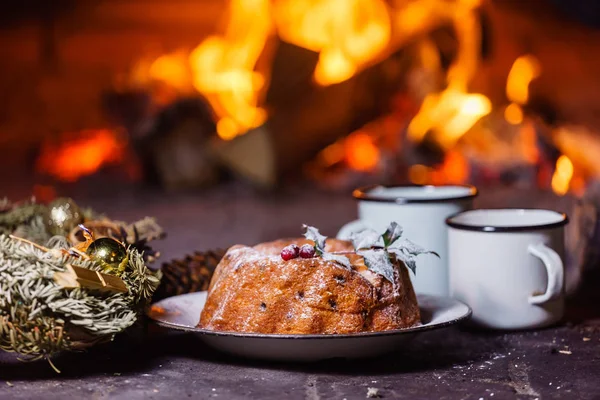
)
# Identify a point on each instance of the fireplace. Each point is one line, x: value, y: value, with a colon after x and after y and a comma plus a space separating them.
x: 337, y: 92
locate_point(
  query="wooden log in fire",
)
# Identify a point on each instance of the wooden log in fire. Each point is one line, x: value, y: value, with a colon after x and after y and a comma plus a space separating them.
x: 170, y: 141
x: 306, y: 117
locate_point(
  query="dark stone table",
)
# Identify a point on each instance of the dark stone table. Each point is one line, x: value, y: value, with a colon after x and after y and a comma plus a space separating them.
x: 455, y: 363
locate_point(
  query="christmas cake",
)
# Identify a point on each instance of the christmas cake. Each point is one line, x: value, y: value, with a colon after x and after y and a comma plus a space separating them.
x: 304, y: 286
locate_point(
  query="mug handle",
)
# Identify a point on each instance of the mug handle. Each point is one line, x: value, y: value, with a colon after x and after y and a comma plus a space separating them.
x: 554, y: 267
x: 350, y: 228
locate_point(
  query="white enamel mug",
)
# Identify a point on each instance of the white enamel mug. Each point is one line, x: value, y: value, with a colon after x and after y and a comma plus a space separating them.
x: 422, y: 212
x: 507, y: 265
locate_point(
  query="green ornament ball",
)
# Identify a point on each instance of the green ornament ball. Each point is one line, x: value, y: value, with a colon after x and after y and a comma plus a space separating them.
x: 61, y: 216
x: 109, y: 253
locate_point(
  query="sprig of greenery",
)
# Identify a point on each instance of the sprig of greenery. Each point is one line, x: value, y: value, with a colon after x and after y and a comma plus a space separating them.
x: 381, y: 251
x: 313, y: 234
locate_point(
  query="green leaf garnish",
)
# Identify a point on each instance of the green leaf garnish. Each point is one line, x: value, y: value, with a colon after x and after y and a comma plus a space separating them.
x: 313, y: 234
x: 366, y: 239
x: 406, y: 251
x: 410, y: 248
x: 379, y: 262
x: 338, y: 258
x: 408, y: 260
x: 380, y: 251
x: 392, y: 233
x: 380, y: 259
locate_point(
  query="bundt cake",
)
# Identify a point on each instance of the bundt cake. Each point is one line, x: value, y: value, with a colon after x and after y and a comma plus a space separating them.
x: 255, y: 289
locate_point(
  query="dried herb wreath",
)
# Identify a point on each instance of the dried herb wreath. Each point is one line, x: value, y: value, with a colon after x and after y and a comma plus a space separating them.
x: 38, y: 316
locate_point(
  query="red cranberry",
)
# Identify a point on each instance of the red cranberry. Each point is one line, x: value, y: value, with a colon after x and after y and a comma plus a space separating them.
x: 289, y: 252
x: 307, y: 251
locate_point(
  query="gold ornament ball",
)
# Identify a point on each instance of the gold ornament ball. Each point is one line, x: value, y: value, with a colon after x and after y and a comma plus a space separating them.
x: 61, y: 216
x: 109, y: 253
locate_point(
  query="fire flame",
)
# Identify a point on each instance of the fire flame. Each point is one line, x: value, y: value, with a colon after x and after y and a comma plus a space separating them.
x: 448, y: 114
x: 524, y: 70
x: 361, y: 153
x: 513, y: 114
x: 453, y: 170
x: 562, y: 175
x: 83, y: 156
x: 451, y: 113
x: 223, y: 67
x: 170, y: 69
x: 346, y: 33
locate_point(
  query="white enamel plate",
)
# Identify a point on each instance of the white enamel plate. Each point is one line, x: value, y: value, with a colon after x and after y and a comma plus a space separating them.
x: 183, y: 313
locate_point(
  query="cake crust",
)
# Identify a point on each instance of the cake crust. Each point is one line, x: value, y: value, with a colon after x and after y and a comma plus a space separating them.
x: 254, y: 290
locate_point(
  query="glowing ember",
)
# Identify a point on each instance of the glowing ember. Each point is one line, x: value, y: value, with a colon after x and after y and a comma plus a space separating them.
x: 562, y: 175
x: 83, y: 156
x: 361, y: 153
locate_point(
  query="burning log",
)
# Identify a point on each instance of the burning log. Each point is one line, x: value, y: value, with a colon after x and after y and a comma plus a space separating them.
x: 170, y: 141
x: 329, y: 77
x: 307, y: 117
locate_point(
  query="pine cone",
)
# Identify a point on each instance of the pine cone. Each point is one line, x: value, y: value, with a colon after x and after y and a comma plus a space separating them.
x: 191, y: 274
